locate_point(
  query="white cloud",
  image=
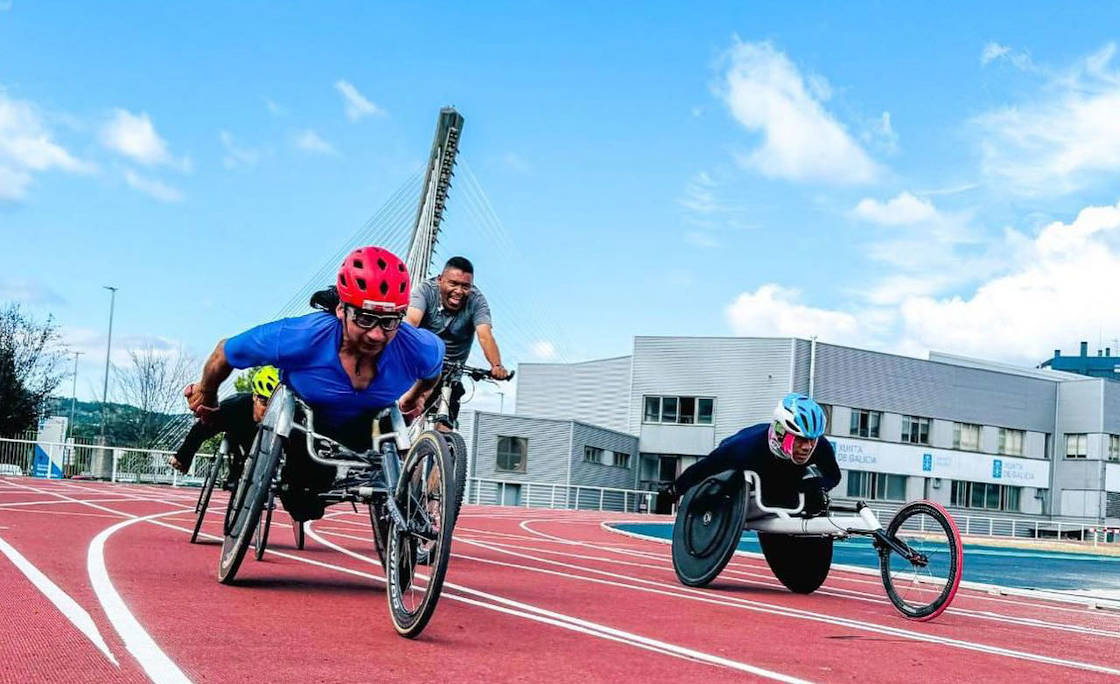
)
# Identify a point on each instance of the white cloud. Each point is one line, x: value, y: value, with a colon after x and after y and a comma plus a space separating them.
x: 1061, y: 142
x: 993, y: 51
x: 236, y: 156
x: 309, y: 141
x: 357, y: 106
x: 802, y: 141
x: 904, y: 209
x: 1050, y: 292
x: 773, y: 310
x: 28, y: 147
x: 543, y: 350
x: 152, y: 187
x: 28, y: 291
x: 135, y: 137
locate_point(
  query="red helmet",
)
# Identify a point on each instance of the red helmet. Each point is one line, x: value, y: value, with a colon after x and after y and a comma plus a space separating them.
x: 374, y: 279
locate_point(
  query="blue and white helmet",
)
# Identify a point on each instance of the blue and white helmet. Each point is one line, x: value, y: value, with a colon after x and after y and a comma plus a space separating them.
x: 795, y: 416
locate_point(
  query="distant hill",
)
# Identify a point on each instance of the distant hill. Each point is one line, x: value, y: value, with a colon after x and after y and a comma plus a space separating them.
x: 124, y: 423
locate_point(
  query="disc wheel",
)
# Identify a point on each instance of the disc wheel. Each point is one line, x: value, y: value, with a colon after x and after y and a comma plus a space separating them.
x: 260, y: 539
x: 248, y: 501
x: 426, y: 499
x: 708, y: 527
x: 799, y: 563
x: 922, y: 586
x: 204, y: 497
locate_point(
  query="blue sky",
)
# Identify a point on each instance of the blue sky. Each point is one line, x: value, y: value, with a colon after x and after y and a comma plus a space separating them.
x: 875, y: 174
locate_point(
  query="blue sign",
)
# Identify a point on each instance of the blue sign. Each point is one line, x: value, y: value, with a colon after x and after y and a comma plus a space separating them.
x: 997, y: 468
x: 927, y: 463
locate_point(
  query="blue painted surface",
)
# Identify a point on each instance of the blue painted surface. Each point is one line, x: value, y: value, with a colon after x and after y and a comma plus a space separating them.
x: 1020, y: 568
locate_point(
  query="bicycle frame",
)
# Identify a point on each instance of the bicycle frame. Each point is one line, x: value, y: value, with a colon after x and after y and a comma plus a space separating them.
x: 783, y: 521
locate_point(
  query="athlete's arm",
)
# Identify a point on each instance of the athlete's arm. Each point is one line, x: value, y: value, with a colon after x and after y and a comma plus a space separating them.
x: 413, y: 399
x: 414, y: 316
x: 826, y: 460
x: 202, y: 396
x: 490, y: 349
x: 199, y: 433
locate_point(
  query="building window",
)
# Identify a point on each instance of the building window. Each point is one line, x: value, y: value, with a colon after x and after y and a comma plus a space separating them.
x: 915, y: 430
x: 622, y: 460
x: 592, y: 454
x: 985, y: 495
x: 882, y: 486
x: 1010, y: 442
x: 865, y: 423
x: 678, y: 410
x: 513, y: 454
x: 966, y: 436
x: 1114, y: 447
x: 1077, y: 446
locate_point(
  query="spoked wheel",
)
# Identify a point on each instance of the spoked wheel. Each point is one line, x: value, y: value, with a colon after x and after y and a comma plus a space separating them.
x: 379, y: 518
x: 921, y: 560
x: 260, y: 539
x: 298, y: 531
x: 248, y: 501
x: 708, y: 527
x: 426, y: 501
x: 204, y: 497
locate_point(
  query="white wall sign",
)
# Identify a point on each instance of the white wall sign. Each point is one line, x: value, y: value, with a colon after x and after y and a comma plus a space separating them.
x: 924, y: 461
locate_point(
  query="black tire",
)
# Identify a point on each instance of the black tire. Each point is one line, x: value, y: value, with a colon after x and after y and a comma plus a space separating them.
x: 248, y: 501
x: 426, y: 498
x: 459, y: 453
x: 944, y: 554
x: 204, y: 497
x: 260, y: 539
x: 299, y: 532
x: 800, y: 563
x: 379, y: 519
x: 708, y: 527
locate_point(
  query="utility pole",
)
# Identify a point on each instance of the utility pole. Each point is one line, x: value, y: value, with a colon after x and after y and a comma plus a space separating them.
x: 502, y: 404
x: 73, y: 394
x: 108, y: 345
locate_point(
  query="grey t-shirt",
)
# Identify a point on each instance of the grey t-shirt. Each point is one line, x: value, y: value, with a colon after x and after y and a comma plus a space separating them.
x: 455, y: 328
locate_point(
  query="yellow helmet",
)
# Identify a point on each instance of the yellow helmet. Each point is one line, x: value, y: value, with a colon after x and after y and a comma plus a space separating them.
x: 265, y: 381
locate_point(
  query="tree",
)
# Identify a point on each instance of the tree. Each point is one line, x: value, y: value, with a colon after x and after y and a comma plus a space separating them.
x: 244, y: 381
x: 153, y: 383
x: 31, y: 367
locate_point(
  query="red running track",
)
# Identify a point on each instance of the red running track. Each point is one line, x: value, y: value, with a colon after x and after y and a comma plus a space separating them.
x: 101, y: 585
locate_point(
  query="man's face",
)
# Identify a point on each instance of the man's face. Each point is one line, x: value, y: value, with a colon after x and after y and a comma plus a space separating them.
x: 802, y: 450
x: 454, y: 286
x: 260, y: 405
x: 367, y: 342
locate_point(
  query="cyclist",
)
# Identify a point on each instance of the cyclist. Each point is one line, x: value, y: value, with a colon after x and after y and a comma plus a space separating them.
x: 783, y: 452
x: 452, y: 307
x: 347, y: 365
x: 237, y: 416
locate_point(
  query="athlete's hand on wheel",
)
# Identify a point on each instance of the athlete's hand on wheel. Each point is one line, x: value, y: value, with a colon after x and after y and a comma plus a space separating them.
x: 202, y: 403
x: 499, y: 372
x: 816, y: 501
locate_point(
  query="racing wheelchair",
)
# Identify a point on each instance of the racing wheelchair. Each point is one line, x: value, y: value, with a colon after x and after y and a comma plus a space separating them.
x: 406, y: 482
x: 919, y: 551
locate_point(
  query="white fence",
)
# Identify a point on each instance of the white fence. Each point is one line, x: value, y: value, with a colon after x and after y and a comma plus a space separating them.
x: 548, y: 495
x: 117, y: 464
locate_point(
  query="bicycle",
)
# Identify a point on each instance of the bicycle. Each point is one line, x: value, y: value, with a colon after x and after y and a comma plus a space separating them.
x: 437, y: 416
x: 920, y: 553
x: 400, y: 478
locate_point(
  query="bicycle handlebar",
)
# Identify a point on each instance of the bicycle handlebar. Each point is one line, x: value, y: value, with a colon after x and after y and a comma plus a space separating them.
x: 476, y: 374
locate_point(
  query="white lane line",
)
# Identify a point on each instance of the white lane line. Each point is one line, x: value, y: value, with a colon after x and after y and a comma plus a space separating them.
x: 655, y: 587
x: 140, y: 644
x: 65, y: 604
x: 569, y: 622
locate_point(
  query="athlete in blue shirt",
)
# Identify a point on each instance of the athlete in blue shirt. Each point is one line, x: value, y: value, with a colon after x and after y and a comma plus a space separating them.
x: 781, y: 452
x: 347, y: 365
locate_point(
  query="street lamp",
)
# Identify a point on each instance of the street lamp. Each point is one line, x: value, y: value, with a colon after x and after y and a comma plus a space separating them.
x: 108, y: 345
x: 74, y: 394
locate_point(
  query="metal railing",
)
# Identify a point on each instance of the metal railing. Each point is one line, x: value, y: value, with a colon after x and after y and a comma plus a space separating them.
x: 102, y: 462
x: 557, y: 496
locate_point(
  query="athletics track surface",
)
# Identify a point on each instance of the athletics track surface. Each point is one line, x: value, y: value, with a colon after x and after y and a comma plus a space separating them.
x: 100, y: 584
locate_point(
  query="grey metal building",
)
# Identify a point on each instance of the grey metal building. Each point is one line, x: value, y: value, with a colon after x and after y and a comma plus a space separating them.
x: 969, y: 433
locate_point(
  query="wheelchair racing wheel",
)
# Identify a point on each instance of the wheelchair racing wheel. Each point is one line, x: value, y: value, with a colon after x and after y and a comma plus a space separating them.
x: 708, y: 527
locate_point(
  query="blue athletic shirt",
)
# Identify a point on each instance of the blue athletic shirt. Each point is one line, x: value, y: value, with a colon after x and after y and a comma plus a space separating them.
x: 305, y: 349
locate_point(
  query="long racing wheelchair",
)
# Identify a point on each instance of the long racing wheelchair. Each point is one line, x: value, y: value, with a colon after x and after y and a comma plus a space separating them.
x: 919, y: 551
x: 406, y: 483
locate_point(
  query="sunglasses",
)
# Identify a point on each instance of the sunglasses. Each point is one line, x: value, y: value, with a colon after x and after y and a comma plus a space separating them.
x: 367, y: 320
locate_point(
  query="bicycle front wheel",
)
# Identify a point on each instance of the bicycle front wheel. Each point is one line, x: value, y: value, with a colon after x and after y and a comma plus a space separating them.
x: 922, y: 583
x: 426, y: 499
